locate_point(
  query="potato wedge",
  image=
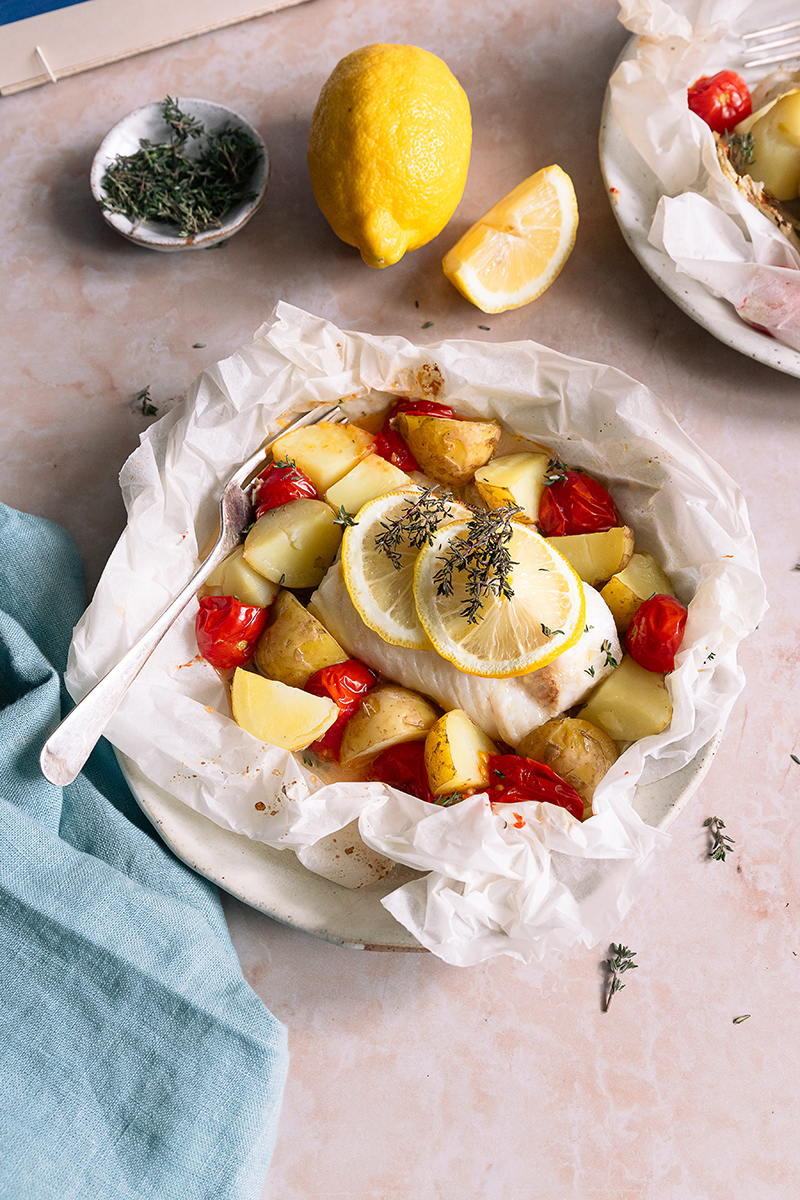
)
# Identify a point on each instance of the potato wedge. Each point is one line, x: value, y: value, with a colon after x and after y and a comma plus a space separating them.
x: 324, y: 452
x: 513, y: 479
x: 295, y: 645
x: 389, y: 714
x: 456, y: 754
x: 283, y: 716
x: 597, y: 556
x: 449, y: 451
x: 630, y: 587
x: 235, y: 577
x: 373, y: 476
x: 581, y: 753
x: 630, y: 703
x: 295, y: 543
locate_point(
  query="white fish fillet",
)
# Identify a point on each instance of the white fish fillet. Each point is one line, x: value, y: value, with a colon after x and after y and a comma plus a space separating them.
x: 506, y: 709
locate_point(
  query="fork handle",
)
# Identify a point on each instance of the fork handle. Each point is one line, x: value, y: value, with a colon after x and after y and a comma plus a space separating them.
x: 67, y: 749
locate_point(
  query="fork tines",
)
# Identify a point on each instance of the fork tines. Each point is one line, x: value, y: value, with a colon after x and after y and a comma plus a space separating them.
x: 786, y: 55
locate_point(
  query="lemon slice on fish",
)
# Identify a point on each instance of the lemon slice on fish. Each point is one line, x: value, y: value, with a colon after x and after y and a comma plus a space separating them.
x: 514, y: 636
x: 382, y: 586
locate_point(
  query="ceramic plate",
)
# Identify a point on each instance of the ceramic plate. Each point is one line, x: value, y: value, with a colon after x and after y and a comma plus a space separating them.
x: 274, y: 882
x: 634, y: 193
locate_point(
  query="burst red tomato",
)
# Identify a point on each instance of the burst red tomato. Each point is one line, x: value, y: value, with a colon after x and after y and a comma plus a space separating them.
x: 403, y: 767
x: 390, y: 445
x: 278, y: 484
x: 227, y: 630
x: 656, y: 632
x: 427, y: 408
x: 575, y: 503
x: 347, y: 683
x: 721, y: 100
x: 519, y: 779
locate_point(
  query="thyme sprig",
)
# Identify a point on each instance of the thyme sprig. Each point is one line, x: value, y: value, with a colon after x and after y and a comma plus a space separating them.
x: 620, y: 962
x: 556, y: 470
x: 145, y: 400
x: 607, y: 649
x: 416, y: 526
x: 161, y: 182
x: 741, y: 151
x: 721, y: 844
x: 481, y: 553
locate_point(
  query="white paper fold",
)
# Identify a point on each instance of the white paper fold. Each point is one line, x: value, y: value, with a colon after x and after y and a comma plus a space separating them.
x: 709, y: 230
x: 523, y: 884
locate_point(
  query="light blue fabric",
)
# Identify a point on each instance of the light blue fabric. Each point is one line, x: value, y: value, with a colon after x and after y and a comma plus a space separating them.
x: 135, y: 1062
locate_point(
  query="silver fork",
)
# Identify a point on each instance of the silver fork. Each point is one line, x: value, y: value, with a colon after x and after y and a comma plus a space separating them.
x: 791, y: 27
x: 67, y: 749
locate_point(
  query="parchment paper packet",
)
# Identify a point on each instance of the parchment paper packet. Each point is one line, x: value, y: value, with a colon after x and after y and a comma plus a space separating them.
x: 492, y: 888
x: 708, y: 228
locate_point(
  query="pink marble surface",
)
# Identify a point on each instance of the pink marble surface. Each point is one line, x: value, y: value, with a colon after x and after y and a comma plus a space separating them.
x: 410, y: 1078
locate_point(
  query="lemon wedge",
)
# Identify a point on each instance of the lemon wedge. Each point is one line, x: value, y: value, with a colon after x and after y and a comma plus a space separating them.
x: 518, y: 247
x: 383, y: 594
x: 544, y: 617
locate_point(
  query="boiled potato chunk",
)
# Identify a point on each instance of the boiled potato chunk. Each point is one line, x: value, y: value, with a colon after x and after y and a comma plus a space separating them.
x: 637, y: 582
x: 630, y: 703
x: 581, y: 753
x: 514, y: 479
x: 295, y: 543
x: 456, y: 754
x: 596, y: 556
x: 325, y: 451
x: 283, y: 716
x: 295, y: 645
x: 235, y: 577
x: 372, y: 477
x: 776, y: 138
x: 388, y: 715
x: 449, y: 451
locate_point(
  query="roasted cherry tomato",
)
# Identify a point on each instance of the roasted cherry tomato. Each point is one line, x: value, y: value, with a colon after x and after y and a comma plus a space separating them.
x: 403, y: 767
x: 278, y: 484
x: 722, y: 100
x: 656, y: 632
x: 390, y: 445
x: 517, y: 779
x: 428, y: 408
x: 347, y: 683
x: 227, y: 630
x: 575, y: 503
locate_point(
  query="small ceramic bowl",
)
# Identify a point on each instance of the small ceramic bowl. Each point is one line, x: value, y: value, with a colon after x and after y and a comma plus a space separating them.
x: 148, y: 122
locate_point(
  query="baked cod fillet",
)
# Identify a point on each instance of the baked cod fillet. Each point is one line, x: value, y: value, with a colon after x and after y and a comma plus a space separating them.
x: 505, y: 709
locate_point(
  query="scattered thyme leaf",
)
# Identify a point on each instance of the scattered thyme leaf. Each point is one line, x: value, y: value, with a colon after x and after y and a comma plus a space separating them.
x: 343, y: 517
x: 198, y: 345
x: 144, y: 399
x: 589, y: 671
x: 794, y: 758
x: 711, y: 655
x: 450, y: 798
x: 555, y: 471
x: 620, y: 962
x: 796, y: 566
x: 427, y: 325
x: 416, y: 304
x: 721, y: 844
x: 481, y: 554
x: 486, y: 327
x: 743, y: 1017
x: 607, y: 649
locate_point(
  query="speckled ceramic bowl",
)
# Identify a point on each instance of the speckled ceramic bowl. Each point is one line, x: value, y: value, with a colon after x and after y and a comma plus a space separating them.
x: 148, y: 122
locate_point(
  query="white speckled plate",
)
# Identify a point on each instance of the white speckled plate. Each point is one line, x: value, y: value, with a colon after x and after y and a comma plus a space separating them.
x: 634, y: 193
x: 274, y: 882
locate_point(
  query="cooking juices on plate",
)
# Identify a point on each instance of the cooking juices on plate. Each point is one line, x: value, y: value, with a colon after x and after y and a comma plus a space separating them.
x: 415, y: 605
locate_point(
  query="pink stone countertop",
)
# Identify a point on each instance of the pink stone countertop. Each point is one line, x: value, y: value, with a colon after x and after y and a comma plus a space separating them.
x: 411, y: 1078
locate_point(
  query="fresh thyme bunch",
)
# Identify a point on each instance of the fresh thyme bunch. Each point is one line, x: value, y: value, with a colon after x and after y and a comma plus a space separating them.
x: 481, y: 553
x: 415, y: 527
x: 160, y: 182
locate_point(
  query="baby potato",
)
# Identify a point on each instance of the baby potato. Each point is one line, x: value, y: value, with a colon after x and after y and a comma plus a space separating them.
x: 595, y: 557
x: 283, y: 716
x: 325, y: 451
x: 235, y: 577
x: 449, y: 451
x: 514, y: 479
x: 295, y: 645
x: 630, y: 587
x: 456, y: 754
x: 295, y: 543
x: 388, y: 714
x: 776, y: 143
x: 580, y: 752
x: 630, y: 703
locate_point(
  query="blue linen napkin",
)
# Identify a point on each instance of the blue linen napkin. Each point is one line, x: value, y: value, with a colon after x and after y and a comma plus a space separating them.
x: 135, y: 1062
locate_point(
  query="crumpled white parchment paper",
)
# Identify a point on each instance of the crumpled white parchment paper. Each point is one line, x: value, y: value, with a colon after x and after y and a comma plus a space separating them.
x: 492, y: 888
x: 708, y: 229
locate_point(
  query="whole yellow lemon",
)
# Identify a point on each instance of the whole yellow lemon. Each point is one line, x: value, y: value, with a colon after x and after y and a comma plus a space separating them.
x: 389, y: 149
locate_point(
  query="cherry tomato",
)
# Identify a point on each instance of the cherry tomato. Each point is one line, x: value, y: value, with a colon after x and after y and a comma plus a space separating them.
x: 656, y: 632
x: 347, y: 683
x: 390, y: 445
x: 403, y: 766
x: 424, y: 408
x: 722, y: 100
x: 575, y: 503
x: 227, y: 630
x: 519, y: 779
x: 278, y: 484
